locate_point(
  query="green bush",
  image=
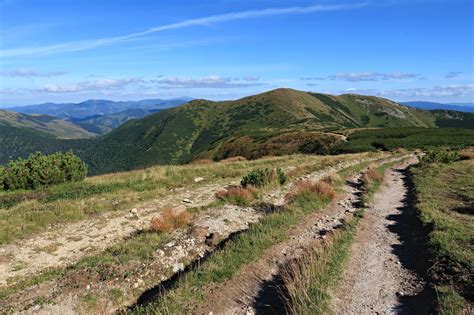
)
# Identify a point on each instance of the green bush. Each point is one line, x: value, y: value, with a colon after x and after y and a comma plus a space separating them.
x: 262, y: 177
x: 41, y: 170
x: 440, y: 156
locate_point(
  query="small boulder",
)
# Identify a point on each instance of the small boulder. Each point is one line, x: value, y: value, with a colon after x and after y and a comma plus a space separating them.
x: 186, y: 200
x: 134, y: 211
x: 178, y: 267
x: 198, y: 179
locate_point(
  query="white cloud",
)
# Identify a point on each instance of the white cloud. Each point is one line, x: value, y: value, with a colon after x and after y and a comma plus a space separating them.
x: 207, y: 82
x: 97, y: 85
x: 24, y: 72
x: 371, y: 76
x: 459, y: 90
x: 213, y: 19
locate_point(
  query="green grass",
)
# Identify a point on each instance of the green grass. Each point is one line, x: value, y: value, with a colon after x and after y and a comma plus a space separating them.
x: 140, y: 248
x: 409, y: 138
x: 223, y: 265
x: 445, y: 199
x: 26, y: 213
x: 310, y: 279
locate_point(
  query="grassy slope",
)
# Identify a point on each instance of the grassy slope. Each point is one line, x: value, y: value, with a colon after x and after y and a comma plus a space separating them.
x: 281, y: 121
x: 278, y: 122
x: 47, y: 124
x: 445, y: 199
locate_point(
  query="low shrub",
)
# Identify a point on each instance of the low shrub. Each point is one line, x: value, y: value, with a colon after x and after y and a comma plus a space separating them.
x: 440, y: 156
x: 263, y: 177
x: 241, y: 196
x: 170, y: 220
x: 41, y: 170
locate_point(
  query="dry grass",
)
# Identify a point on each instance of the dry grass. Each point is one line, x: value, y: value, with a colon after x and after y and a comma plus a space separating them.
x: 371, y: 175
x: 332, y: 179
x: 233, y: 159
x: 238, y: 195
x: 170, y: 220
x: 319, y: 189
x: 202, y: 162
x: 467, y: 153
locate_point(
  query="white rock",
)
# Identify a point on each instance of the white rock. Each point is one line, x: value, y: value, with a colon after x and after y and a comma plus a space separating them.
x: 160, y: 252
x: 134, y: 211
x: 187, y: 200
x: 198, y: 179
x: 178, y: 267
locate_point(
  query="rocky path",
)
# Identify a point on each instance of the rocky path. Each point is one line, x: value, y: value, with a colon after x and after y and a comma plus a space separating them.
x: 88, y: 237
x: 380, y: 277
x: 255, y: 289
x: 67, y: 244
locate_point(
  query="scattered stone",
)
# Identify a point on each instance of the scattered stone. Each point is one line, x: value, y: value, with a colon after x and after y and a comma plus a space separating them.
x: 160, y: 252
x: 198, y: 179
x: 88, y: 287
x: 134, y: 211
x: 212, y: 239
x: 200, y: 233
x: 186, y: 200
x: 178, y: 267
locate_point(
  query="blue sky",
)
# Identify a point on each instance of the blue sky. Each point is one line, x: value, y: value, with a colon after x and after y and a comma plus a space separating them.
x: 69, y: 51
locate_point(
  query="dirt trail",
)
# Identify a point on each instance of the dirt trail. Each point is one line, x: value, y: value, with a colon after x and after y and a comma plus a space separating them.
x: 67, y: 244
x: 255, y: 288
x: 384, y: 274
x: 97, y: 235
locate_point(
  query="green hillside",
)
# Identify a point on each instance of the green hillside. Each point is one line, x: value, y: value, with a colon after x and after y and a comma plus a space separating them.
x: 281, y: 121
x: 51, y: 125
x: 18, y: 142
x: 278, y: 122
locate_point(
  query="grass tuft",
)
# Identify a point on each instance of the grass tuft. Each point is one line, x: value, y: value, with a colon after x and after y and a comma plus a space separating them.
x: 170, y: 220
x: 306, y: 190
x: 241, y: 196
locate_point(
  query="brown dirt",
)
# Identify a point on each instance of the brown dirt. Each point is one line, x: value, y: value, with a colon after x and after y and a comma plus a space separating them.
x: 380, y: 276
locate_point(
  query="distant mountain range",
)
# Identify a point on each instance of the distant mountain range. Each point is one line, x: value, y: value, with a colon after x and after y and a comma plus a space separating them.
x: 97, y: 117
x: 461, y: 107
x: 96, y: 107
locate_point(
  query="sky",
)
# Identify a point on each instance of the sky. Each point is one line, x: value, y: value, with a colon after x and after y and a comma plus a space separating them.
x: 70, y: 51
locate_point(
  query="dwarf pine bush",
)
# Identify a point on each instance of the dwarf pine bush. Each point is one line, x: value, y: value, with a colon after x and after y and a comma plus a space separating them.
x: 41, y: 170
x: 262, y: 177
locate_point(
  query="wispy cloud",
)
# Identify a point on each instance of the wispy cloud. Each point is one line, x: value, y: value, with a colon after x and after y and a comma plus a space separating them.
x: 453, y: 74
x: 313, y: 78
x: 97, y: 85
x: 23, y: 72
x: 214, y: 81
x: 204, y: 21
x: 365, y: 76
x: 459, y: 90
